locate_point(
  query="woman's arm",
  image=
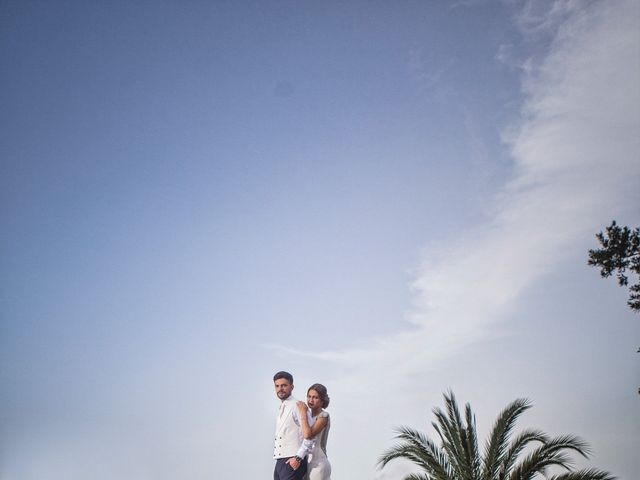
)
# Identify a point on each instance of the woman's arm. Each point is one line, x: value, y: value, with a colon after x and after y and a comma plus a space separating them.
x: 304, y: 420
x: 317, y: 427
x: 307, y: 430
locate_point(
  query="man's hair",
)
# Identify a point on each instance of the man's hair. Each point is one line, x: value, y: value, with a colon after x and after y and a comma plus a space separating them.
x: 286, y: 375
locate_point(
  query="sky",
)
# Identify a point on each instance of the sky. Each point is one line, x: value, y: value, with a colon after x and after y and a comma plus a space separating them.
x: 393, y: 199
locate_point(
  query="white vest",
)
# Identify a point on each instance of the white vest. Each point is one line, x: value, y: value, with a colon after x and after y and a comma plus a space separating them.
x: 288, y: 436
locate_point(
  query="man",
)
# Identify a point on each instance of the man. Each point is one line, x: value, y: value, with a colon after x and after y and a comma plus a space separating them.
x: 290, y: 450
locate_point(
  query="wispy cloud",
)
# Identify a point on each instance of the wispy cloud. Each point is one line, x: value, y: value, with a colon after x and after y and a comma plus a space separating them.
x: 542, y: 17
x: 575, y: 162
x: 575, y: 159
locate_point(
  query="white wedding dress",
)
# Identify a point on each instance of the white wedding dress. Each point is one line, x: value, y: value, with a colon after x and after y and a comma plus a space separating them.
x: 319, y: 467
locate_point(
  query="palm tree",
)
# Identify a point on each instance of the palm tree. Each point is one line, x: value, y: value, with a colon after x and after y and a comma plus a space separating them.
x: 525, y: 456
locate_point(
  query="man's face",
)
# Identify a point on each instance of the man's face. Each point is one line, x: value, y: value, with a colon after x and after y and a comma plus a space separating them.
x: 283, y: 388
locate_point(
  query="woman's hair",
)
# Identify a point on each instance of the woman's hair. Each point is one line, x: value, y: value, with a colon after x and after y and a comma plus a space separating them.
x: 321, y: 390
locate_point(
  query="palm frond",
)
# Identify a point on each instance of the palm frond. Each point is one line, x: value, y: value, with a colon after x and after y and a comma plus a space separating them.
x: 550, y: 453
x: 587, y: 474
x: 471, y: 443
x: 498, y: 441
x: 436, y: 427
x: 403, y: 450
x: 452, y: 430
x: 422, y: 451
x: 570, y: 442
x: 418, y: 476
x: 518, y: 444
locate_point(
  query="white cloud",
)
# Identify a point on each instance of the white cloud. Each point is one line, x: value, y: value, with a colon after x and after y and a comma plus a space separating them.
x: 576, y: 166
x: 575, y: 157
x: 542, y: 17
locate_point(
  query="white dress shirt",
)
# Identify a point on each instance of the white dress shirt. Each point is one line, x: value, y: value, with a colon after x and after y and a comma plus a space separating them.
x: 305, y: 445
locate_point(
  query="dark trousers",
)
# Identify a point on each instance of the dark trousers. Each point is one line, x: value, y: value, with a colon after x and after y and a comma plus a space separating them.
x: 283, y: 471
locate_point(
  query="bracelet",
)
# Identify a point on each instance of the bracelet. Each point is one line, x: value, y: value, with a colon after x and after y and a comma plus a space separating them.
x: 298, y: 459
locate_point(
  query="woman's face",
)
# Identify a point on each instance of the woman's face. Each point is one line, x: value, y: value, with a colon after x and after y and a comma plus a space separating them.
x: 313, y: 399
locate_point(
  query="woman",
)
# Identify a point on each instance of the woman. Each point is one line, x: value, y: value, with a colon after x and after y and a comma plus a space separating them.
x: 316, y: 426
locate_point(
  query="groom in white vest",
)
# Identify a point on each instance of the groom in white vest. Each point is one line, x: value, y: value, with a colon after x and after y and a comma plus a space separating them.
x: 290, y: 449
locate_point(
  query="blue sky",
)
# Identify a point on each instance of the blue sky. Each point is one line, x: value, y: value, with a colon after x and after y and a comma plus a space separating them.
x: 389, y: 198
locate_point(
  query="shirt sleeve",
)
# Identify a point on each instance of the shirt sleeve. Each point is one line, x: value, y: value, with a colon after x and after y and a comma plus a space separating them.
x: 307, y: 444
x: 306, y: 448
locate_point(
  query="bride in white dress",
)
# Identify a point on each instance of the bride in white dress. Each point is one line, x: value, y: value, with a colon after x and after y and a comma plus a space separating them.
x: 315, y: 422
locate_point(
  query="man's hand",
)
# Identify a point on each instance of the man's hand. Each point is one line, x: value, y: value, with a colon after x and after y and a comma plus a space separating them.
x: 294, y: 463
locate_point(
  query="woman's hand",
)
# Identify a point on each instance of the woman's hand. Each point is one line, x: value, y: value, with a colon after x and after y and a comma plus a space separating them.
x: 304, y: 420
